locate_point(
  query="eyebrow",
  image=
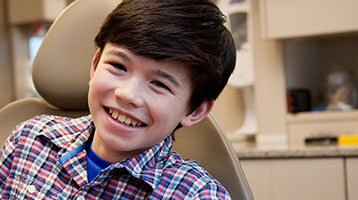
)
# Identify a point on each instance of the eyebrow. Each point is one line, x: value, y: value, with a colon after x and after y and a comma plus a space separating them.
x: 158, y: 72
x: 167, y: 76
x: 117, y: 53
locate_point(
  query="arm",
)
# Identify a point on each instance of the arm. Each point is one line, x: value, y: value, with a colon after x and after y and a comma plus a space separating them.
x: 6, y: 158
x: 212, y: 191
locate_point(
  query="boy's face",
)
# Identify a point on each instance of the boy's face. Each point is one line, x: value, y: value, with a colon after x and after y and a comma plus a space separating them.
x: 136, y: 102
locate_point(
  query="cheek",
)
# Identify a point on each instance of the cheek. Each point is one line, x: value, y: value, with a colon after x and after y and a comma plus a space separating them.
x: 97, y: 92
x: 156, y: 107
x: 166, y: 110
x: 99, y: 84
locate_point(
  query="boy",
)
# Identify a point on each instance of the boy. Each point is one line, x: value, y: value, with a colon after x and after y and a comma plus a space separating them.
x: 160, y: 65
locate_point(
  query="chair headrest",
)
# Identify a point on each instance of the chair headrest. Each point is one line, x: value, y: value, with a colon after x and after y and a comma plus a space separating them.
x: 61, y: 69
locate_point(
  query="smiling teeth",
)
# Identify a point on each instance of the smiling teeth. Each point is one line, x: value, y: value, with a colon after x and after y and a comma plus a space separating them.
x: 124, y: 119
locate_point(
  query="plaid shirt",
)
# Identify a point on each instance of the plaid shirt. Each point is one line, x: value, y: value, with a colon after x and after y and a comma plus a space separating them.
x: 45, y: 158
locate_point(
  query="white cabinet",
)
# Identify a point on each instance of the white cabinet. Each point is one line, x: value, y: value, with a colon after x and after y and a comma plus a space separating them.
x: 296, y: 179
x: 295, y: 18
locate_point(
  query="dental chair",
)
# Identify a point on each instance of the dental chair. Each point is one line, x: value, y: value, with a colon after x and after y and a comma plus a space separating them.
x: 61, y: 71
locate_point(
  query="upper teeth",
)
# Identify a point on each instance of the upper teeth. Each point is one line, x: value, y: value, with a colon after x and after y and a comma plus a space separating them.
x: 124, y: 119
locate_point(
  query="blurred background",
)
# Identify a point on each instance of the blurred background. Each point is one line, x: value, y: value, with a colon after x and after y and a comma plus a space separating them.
x: 294, y: 88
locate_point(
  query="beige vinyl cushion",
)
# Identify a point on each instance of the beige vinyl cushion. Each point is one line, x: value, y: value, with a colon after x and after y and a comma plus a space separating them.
x: 61, y: 69
x: 24, y: 109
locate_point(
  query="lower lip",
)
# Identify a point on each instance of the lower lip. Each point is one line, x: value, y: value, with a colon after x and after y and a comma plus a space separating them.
x: 119, y: 126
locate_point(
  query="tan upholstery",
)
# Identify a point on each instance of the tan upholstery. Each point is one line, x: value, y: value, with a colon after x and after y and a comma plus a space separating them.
x: 24, y: 109
x: 206, y: 143
x: 61, y: 74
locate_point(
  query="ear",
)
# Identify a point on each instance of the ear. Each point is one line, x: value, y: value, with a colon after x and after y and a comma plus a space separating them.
x: 198, y: 114
x: 95, y: 61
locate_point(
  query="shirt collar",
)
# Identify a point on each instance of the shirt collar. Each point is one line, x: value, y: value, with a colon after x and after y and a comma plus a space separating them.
x: 70, y: 134
x: 148, y: 165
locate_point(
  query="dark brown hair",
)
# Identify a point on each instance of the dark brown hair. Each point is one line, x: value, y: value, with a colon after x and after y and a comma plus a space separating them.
x: 190, y: 32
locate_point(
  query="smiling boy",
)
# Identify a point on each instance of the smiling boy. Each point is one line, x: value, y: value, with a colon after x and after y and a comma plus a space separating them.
x: 160, y: 65
x: 129, y: 99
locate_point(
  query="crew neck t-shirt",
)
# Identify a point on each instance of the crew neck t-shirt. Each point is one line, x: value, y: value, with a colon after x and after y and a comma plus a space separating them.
x: 94, y: 164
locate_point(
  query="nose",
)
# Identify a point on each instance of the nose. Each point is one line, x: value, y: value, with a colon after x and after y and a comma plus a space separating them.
x: 129, y: 91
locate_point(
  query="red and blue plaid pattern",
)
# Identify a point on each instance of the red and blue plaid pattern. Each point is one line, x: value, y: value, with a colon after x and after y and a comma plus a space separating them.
x: 45, y: 158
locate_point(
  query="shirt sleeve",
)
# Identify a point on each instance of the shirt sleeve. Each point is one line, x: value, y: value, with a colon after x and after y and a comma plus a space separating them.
x: 7, y: 157
x: 212, y: 191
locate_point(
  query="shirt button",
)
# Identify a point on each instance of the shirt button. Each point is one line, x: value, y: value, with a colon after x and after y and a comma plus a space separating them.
x: 80, y: 198
x: 31, y: 189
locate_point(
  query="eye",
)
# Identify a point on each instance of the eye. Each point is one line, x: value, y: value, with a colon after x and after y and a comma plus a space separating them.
x: 118, y: 66
x: 160, y: 85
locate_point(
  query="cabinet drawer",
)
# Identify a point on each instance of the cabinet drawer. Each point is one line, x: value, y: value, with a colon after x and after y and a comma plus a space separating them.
x: 296, y: 179
x: 296, y: 18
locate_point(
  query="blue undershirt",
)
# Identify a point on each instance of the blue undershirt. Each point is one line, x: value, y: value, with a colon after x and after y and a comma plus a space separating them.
x: 94, y: 164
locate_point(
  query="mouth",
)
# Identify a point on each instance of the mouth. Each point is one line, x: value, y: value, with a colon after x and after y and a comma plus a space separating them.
x: 126, y: 120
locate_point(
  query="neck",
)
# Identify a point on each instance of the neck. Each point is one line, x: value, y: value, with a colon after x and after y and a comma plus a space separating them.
x: 109, y: 154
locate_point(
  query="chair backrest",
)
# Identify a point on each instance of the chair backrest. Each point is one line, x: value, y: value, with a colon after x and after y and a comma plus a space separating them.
x: 207, y: 144
x: 61, y: 71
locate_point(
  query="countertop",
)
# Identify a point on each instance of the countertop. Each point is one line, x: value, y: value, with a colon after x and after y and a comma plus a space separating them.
x: 252, y: 151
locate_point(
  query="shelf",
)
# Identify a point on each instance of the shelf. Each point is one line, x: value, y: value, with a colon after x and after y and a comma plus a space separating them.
x: 239, y: 7
x: 324, y: 116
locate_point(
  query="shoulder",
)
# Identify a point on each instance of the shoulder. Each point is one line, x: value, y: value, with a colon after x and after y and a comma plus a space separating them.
x: 43, y: 124
x: 42, y: 121
x: 35, y: 125
x: 193, y: 179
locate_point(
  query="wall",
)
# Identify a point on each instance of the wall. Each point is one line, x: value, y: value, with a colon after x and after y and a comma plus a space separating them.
x: 228, y: 109
x: 341, y: 51
x: 6, y: 81
x: 302, y: 61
